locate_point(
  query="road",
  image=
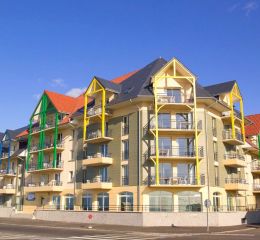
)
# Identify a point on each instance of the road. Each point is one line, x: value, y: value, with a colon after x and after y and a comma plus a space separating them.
x: 26, y: 229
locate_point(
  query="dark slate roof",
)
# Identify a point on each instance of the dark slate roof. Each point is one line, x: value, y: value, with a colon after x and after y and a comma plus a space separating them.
x: 14, y: 133
x: 108, y: 85
x: 219, y: 88
x: 202, y: 92
x: 139, y: 83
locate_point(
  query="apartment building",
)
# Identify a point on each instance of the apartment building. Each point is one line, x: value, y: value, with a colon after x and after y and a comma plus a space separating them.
x: 253, y: 140
x: 12, y: 154
x: 50, y: 162
x: 151, y: 140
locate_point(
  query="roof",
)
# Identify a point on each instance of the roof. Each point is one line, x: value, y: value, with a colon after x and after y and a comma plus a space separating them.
x: 1, y: 135
x: 108, y: 85
x: 123, y: 77
x: 254, y: 128
x: 201, y: 92
x: 138, y: 84
x: 13, y: 133
x: 219, y: 88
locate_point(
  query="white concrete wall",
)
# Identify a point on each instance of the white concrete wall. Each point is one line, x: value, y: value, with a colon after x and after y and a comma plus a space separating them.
x: 6, y: 212
x: 149, y: 218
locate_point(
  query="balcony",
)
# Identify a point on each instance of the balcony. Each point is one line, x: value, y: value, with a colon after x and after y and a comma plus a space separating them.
x: 48, y: 147
x: 8, y: 189
x: 166, y: 127
x: 52, y: 186
x: 177, y: 153
x: 234, y: 160
x: 255, y: 167
x: 226, y: 116
x: 50, y: 125
x: 94, y: 113
x: 256, y: 188
x: 97, y: 183
x: 236, y: 184
x: 227, y: 137
x: 4, y: 173
x: 181, y: 102
x: 96, y: 137
x: 47, y: 167
x: 174, y: 182
x: 5, y: 155
x: 98, y: 159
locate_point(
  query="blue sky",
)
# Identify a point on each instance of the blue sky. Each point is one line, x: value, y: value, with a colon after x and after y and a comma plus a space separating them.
x: 60, y: 44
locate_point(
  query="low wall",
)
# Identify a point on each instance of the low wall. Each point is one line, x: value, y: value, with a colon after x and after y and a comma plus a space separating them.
x: 191, y: 219
x: 6, y: 212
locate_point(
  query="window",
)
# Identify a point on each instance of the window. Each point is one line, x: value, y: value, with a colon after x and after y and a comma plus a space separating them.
x: 215, y: 151
x: 125, y: 155
x: 56, y: 201
x: 59, y: 164
x: 70, y: 176
x: 104, y: 150
x: 165, y: 173
x: 216, y: 201
x: 59, y: 139
x: 87, y: 202
x: 69, y: 202
x: 189, y: 201
x: 103, y: 174
x: 216, y: 173
x: 186, y: 173
x: 175, y: 95
x: 164, y: 120
x: 214, y: 127
x: 125, y: 129
x: 160, y: 201
x: 103, y: 202
x: 184, y: 121
x: 185, y: 147
x: 126, y: 201
x: 125, y: 175
x: 71, y: 154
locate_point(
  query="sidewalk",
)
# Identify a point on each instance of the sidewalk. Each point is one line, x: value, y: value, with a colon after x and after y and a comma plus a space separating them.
x: 116, y: 228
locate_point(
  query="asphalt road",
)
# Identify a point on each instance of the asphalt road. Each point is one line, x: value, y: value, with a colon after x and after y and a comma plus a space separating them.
x: 25, y: 229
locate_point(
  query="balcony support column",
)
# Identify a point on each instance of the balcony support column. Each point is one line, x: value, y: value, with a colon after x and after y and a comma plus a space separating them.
x: 28, y: 158
x: 54, y: 162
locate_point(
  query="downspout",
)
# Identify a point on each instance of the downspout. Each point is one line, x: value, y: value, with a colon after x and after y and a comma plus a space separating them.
x: 138, y: 158
x: 258, y: 146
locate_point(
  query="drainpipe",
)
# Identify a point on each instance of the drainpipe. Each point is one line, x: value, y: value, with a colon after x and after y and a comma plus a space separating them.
x: 206, y: 138
x: 139, y: 153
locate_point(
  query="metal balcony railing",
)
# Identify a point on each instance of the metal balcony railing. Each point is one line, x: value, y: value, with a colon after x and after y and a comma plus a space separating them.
x: 227, y: 134
x: 97, y: 179
x: 234, y: 156
x: 4, y: 171
x: 33, y: 166
x: 173, y: 180
x: 177, y: 125
x: 236, y: 114
x: 44, y: 184
x: 6, y: 154
x: 7, y: 186
x: 255, y: 165
x: 256, y: 186
x: 47, y: 145
x: 97, y: 134
x: 96, y: 110
x: 98, y: 155
x: 48, y: 124
x: 177, y: 152
x: 235, y: 181
x: 182, y: 98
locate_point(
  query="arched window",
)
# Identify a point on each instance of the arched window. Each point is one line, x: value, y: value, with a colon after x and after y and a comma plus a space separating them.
x: 126, y: 201
x: 161, y: 201
x: 69, y: 202
x: 103, y: 201
x: 189, y: 201
x: 87, y: 202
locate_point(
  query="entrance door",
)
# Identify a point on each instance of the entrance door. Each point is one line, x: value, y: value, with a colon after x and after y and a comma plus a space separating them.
x: 56, y: 202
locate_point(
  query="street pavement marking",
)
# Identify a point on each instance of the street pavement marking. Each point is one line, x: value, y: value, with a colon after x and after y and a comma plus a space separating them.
x: 114, y: 237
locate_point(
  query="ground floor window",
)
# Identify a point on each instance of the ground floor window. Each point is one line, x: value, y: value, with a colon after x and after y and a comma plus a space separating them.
x: 103, y: 202
x: 160, y: 201
x: 189, y: 201
x: 87, y: 202
x: 56, y: 201
x: 126, y: 201
x: 216, y: 201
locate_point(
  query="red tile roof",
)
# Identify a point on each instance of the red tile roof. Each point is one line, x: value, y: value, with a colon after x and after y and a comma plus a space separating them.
x: 253, y: 129
x: 122, y: 78
x: 69, y: 104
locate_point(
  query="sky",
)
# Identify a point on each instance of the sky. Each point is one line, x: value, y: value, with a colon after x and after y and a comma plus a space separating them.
x: 60, y: 45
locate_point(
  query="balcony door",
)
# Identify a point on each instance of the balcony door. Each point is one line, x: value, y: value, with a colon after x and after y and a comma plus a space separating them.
x: 184, y: 120
x: 175, y: 95
x: 103, y: 174
x: 164, y: 120
x: 165, y: 173
x: 186, y: 147
x: 104, y: 150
